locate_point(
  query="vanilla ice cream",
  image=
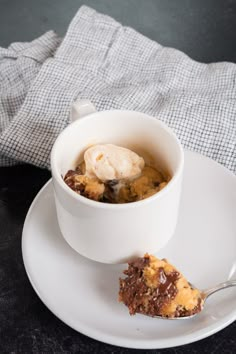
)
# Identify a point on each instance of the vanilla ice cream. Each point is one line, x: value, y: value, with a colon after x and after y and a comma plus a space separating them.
x: 108, y: 162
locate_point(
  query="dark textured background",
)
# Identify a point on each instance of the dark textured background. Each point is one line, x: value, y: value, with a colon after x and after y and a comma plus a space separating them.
x: 205, y: 30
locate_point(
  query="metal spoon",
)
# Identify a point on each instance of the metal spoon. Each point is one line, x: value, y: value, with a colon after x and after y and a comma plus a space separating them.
x: 204, y: 294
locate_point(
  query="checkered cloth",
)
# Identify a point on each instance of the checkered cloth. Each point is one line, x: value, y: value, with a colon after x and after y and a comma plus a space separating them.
x: 116, y: 68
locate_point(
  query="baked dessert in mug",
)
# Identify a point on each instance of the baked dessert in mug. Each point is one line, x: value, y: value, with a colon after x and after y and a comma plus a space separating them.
x: 114, y: 174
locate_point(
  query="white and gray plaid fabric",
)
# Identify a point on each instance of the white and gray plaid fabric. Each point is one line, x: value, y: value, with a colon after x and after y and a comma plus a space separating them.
x: 19, y: 65
x: 116, y: 68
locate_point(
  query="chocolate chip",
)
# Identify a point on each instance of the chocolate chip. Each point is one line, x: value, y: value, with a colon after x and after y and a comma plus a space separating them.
x: 111, y: 183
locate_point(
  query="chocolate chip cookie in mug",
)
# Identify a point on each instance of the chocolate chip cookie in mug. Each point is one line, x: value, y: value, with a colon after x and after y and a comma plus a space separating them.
x: 121, y: 227
x: 114, y: 174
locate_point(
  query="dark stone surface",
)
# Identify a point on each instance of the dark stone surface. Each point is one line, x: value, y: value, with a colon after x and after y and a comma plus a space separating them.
x: 205, y: 30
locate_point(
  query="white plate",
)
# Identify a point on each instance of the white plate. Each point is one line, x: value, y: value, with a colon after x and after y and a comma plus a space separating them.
x: 84, y: 294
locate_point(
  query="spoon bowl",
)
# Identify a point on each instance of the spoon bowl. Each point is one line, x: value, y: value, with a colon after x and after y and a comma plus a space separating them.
x: 205, y: 294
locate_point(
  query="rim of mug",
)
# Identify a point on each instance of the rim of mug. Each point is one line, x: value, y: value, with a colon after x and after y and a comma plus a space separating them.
x: 101, y: 205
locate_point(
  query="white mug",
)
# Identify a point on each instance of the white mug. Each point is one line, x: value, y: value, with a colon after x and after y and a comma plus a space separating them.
x: 116, y: 233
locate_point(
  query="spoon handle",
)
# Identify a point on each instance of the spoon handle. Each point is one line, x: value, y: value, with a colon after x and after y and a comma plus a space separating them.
x: 218, y: 287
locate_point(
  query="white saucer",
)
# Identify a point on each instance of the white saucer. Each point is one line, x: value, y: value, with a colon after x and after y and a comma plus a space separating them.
x: 84, y: 294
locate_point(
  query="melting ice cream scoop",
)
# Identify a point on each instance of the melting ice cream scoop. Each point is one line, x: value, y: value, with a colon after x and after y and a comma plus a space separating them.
x: 109, y: 162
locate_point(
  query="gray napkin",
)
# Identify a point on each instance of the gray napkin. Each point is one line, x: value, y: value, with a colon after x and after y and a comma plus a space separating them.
x: 19, y: 65
x: 116, y: 68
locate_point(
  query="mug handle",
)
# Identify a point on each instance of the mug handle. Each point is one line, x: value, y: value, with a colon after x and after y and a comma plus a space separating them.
x: 81, y: 108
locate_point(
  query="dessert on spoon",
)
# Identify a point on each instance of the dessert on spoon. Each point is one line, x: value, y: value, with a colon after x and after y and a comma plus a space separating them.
x: 155, y: 288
